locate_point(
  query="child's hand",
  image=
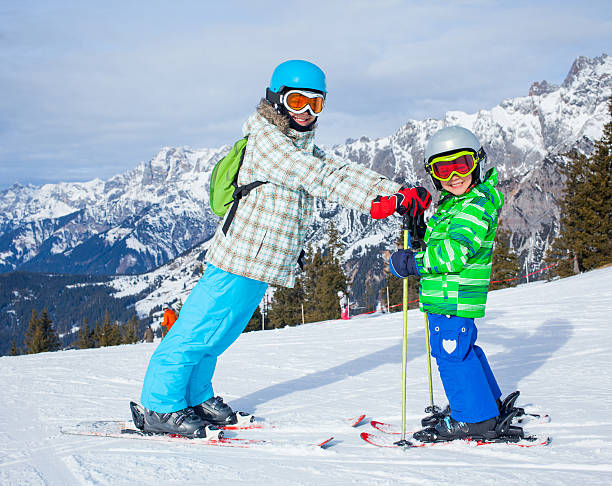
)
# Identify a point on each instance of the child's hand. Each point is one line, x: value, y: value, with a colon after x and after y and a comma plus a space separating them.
x: 402, y: 264
x: 413, y: 200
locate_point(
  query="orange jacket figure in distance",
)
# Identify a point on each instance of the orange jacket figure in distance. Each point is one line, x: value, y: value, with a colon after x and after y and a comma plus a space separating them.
x: 169, y: 319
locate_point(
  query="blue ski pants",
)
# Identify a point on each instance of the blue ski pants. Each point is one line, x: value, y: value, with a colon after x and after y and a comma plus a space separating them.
x: 467, y: 378
x: 213, y: 317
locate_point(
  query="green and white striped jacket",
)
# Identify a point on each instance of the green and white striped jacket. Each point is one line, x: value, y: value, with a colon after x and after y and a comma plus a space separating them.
x: 269, y: 229
x: 456, y: 266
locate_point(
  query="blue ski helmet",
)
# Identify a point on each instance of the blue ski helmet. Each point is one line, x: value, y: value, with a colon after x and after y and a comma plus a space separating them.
x: 298, y: 74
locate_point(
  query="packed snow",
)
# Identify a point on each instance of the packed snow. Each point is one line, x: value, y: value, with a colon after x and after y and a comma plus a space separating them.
x: 551, y: 340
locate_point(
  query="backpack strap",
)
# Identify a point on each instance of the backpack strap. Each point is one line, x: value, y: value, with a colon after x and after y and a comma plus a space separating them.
x: 239, y: 193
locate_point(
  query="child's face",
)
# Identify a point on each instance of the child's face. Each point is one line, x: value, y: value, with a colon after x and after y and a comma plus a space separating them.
x: 457, y: 185
x: 303, y: 119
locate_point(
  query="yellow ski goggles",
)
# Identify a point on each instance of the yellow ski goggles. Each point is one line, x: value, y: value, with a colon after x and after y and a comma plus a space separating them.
x: 461, y: 163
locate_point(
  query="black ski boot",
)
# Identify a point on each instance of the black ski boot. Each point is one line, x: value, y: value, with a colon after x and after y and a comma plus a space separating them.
x: 215, y: 412
x: 434, y: 417
x: 448, y: 429
x: 184, y: 422
x: 504, y: 430
x: 508, y: 404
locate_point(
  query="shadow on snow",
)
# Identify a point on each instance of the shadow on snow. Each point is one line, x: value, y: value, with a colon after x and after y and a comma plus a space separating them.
x: 524, y: 352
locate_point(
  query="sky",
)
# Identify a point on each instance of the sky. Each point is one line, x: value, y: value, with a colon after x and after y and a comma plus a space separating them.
x: 90, y: 89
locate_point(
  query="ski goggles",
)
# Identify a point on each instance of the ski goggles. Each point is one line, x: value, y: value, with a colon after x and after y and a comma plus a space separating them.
x: 461, y: 163
x: 298, y: 101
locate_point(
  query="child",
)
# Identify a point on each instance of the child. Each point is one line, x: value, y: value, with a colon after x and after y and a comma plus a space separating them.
x: 262, y: 246
x: 455, y: 269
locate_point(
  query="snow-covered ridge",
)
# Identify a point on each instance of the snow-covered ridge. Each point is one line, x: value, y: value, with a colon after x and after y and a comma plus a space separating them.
x: 145, y: 217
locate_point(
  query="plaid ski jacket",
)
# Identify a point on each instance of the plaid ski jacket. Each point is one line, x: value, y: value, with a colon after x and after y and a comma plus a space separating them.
x: 456, y: 266
x: 269, y: 229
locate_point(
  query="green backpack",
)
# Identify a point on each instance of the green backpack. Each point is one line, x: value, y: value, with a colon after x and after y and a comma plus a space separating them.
x: 223, y: 187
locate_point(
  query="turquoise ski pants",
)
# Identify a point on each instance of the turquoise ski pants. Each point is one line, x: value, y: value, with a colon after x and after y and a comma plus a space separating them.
x: 214, y: 315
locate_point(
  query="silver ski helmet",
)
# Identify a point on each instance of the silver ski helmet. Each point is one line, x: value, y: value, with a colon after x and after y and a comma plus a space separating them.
x: 449, y: 141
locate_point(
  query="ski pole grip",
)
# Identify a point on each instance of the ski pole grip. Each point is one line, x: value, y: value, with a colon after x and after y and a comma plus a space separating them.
x: 406, y: 223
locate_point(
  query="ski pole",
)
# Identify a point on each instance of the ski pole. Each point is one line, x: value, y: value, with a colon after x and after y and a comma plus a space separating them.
x: 405, y: 228
x: 417, y: 243
x: 432, y: 408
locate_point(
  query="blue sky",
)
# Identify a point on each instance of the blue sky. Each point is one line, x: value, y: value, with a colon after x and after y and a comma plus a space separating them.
x: 90, y: 89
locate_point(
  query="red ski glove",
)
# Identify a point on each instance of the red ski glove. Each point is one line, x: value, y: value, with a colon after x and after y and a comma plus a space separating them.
x: 414, y: 200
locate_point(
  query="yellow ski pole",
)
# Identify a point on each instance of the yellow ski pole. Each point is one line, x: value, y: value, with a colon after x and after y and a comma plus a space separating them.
x: 405, y: 228
x: 419, y: 244
x: 432, y: 408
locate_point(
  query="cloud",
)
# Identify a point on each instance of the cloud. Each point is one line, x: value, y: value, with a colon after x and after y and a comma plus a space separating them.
x: 100, y: 87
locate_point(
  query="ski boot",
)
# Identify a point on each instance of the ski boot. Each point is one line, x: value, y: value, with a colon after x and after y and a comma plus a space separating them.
x: 504, y: 430
x: 448, y: 429
x: 185, y: 423
x: 503, y: 407
x: 215, y: 412
x: 435, y: 415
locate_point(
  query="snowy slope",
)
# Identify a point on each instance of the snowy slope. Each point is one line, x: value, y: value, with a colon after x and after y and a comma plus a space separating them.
x: 550, y: 340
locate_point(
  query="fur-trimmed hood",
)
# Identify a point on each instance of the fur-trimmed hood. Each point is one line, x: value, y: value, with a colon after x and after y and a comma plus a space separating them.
x: 265, y: 109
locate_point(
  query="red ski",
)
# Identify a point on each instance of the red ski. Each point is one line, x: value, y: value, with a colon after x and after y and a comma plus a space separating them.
x: 123, y: 430
x: 378, y: 441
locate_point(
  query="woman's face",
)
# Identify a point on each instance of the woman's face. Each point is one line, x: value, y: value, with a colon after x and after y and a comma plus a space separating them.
x: 302, y: 119
x: 457, y: 185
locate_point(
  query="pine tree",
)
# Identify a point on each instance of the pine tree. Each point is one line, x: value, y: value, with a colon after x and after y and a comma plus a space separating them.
x: 585, y: 238
x: 41, y: 336
x: 50, y: 339
x: 130, y: 331
x: 323, y: 278
x: 106, y: 331
x: 286, y: 306
x: 32, y: 334
x: 14, y: 350
x: 96, y: 335
x: 505, y: 262
x: 370, y: 297
x: 85, y: 337
x: 114, y: 338
x: 255, y: 321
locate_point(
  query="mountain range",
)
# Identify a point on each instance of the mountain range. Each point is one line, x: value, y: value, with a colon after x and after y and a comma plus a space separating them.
x: 145, y: 218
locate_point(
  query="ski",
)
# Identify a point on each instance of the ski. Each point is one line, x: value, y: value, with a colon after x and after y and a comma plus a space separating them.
x: 122, y: 430
x: 383, y: 427
x: 357, y: 421
x: 261, y: 425
x: 379, y: 441
x: 523, y: 417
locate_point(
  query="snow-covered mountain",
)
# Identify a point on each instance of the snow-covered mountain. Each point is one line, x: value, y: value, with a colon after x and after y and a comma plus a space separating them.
x: 129, y: 224
x: 306, y: 380
x: 146, y: 217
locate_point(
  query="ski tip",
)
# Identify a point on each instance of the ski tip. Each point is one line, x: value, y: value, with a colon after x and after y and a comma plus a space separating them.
x: 326, y: 443
x: 383, y: 427
x: 357, y: 421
